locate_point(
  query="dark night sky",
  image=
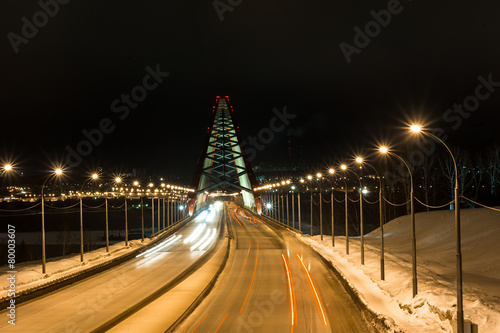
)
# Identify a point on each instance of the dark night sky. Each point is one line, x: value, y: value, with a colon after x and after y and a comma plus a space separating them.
x: 264, y: 55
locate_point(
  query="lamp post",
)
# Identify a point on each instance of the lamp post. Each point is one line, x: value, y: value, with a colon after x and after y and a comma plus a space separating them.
x: 107, y: 223
x: 298, y: 203
x: 381, y: 220
x: 94, y: 176
x: 458, y: 235
x: 287, y: 208
x: 152, y: 214
x: 331, y: 171
x: 293, y: 206
x: 159, y: 211
x: 57, y: 172
x: 309, y: 177
x: 282, y: 204
x: 361, y: 222
x: 118, y: 180
x: 319, y: 175
x: 385, y: 150
x: 142, y: 218
x: 344, y: 167
x: 163, y: 212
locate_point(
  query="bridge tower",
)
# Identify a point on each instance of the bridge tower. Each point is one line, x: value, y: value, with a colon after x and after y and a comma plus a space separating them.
x: 223, y: 169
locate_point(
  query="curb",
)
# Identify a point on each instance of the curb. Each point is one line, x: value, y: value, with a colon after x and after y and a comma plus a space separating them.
x: 69, y: 279
x: 378, y: 321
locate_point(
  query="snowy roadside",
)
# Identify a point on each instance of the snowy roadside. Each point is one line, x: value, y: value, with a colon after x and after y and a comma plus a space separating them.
x: 29, y: 274
x: 434, y: 307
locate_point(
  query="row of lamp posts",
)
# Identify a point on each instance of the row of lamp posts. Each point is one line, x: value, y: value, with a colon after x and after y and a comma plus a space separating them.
x: 272, y: 191
x: 174, y: 206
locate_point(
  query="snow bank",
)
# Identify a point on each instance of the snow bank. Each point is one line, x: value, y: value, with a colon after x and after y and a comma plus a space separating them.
x: 434, y: 308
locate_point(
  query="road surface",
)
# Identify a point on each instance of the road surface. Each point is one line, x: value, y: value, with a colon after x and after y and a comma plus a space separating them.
x: 275, y: 284
x: 88, y: 304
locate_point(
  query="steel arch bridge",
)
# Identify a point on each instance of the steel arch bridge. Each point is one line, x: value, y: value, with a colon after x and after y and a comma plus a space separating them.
x: 223, y: 169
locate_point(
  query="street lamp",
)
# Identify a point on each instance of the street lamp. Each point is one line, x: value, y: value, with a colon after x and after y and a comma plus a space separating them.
x: 57, y: 172
x: 293, y: 206
x: 298, y: 204
x: 380, y: 207
x: 93, y: 176
x: 331, y: 171
x: 7, y: 167
x: 385, y: 150
x: 458, y: 237
x: 309, y: 177
x: 344, y: 167
x: 361, y: 223
x: 318, y: 177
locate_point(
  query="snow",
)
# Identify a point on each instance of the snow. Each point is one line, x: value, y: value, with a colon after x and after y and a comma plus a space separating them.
x: 29, y: 274
x: 434, y: 307
x: 432, y: 310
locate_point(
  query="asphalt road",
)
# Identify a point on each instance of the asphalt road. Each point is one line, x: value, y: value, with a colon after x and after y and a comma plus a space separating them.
x: 86, y: 305
x: 276, y: 284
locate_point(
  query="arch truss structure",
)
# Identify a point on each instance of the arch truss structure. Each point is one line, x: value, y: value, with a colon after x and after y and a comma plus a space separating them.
x: 223, y: 169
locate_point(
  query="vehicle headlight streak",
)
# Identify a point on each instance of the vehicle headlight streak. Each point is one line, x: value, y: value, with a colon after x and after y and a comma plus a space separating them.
x: 209, y: 240
x: 210, y: 216
x: 315, y: 293
x: 202, y: 240
x: 196, y: 233
x: 172, y: 239
x: 202, y: 216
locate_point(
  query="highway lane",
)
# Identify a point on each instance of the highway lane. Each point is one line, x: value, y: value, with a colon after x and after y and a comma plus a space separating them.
x: 84, y: 306
x: 276, y: 284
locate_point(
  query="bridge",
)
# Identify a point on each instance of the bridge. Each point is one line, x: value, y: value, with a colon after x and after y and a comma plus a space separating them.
x: 229, y: 265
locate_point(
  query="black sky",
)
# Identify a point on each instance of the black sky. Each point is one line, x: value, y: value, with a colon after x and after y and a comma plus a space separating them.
x: 264, y: 55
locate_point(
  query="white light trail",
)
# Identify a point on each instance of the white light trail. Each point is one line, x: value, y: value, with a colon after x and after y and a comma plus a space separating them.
x: 154, y: 249
x: 201, y: 241
x: 209, y: 240
x: 196, y: 233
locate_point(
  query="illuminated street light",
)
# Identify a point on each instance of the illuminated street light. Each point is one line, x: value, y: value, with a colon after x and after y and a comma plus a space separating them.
x: 309, y: 177
x: 118, y: 180
x: 458, y: 235
x: 319, y: 175
x: 416, y: 128
x: 7, y: 167
x: 385, y: 150
x: 343, y: 167
x: 136, y: 183
x: 57, y: 172
x: 95, y: 176
x: 331, y: 171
